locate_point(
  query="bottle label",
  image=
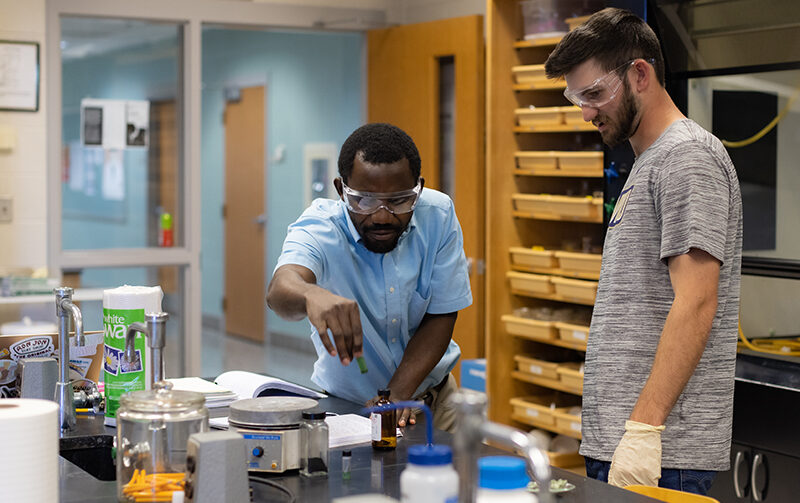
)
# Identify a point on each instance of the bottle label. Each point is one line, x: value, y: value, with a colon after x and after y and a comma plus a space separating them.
x: 121, y: 376
x: 376, y: 426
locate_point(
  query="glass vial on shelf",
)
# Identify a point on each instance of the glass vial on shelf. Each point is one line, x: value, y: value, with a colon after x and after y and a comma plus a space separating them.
x: 347, y: 458
x: 384, y: 424
x: 314, y: 445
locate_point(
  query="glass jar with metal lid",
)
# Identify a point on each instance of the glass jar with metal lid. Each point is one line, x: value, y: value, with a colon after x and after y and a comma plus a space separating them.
x: 153, y: 427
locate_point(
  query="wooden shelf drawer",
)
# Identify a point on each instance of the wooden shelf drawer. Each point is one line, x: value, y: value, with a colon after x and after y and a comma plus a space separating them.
x: 567, y: 422
x: 573, y: 115
x: 581, y: 163
x: 530, y: 329
x: 560, y: 163
x: 582, y: 263
x: 530, y: 283
x: 528, y: 257
x: 549, y: 116
x: 576, y: 334
x: 575, y: 289
x: 537, y: 407
x: 565, y: 459
x: 560, y: 207
x: 541, y: 117
x: 530, y: 74
x: 536, y: 366
x: 570, y: 375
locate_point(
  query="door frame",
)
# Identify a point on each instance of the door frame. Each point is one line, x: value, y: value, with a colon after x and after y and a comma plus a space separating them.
x: 191, y: 15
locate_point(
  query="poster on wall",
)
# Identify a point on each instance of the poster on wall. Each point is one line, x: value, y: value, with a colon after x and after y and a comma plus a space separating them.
x: 113, y: 185
x: 114, y: 124
x: 19, y: 76
x: 137, y: 118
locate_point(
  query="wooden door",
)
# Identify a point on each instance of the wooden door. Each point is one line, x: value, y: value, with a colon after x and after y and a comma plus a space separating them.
x: 244, y: 220
x: 403, y: 89
x: 163, y: 162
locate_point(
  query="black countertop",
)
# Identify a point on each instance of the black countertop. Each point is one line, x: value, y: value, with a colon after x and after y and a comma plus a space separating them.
x: 777, y: 372
x: 371, y: 471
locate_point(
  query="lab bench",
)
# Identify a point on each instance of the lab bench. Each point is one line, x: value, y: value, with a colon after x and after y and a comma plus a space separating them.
x: 371, y: 471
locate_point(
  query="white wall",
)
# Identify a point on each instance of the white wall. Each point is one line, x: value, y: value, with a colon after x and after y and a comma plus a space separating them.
x: 23, y: 242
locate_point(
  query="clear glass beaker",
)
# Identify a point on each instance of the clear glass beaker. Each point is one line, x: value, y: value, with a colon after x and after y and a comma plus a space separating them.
x: 153, y: 427
x: 314, y: 445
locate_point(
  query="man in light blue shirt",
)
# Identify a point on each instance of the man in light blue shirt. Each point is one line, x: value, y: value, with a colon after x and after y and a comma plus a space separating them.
x: 380, y: 272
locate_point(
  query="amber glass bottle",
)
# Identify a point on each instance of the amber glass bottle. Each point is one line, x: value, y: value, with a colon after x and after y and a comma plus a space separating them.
x: 384, y: 424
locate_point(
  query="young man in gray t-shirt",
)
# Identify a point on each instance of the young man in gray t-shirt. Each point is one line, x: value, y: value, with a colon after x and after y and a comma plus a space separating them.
x: 661, y: 354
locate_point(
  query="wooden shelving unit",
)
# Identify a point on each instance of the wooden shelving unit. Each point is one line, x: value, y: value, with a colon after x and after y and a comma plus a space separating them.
x: 509, y: 227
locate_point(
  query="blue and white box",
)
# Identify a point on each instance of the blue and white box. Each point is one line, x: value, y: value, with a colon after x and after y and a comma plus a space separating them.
x: 473, y: 374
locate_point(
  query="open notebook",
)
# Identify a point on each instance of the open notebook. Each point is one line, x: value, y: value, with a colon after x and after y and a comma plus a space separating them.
x: 252, y: 385
x: 236, y: 384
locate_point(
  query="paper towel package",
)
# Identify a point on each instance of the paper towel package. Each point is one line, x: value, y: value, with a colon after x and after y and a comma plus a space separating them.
x: 121, y: 307
x: 29, y: 436
x: 26, y: 339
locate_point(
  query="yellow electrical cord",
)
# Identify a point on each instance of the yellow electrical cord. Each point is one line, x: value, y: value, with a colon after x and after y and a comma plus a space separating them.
x: 785, y: 347
x: 767, y: 128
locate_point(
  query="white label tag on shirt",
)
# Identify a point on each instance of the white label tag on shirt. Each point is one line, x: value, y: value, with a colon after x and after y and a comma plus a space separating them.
x: 376, y: 426
x: 577, y: 334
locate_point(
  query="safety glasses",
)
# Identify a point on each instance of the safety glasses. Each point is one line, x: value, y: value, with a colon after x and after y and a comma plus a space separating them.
x: 599, y: 92
x: 366, y: 203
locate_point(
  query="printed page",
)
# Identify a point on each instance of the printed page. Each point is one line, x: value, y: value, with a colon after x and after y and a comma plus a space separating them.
x: 252, y: 385
x: 350, y: 429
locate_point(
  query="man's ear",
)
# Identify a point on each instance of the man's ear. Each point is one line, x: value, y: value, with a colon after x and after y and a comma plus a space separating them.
x: 644, y: 75
x: 421, y: 183
x: 337, y: 182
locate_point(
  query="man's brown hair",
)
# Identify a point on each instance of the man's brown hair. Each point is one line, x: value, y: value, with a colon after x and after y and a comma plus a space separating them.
x: 612, y: 37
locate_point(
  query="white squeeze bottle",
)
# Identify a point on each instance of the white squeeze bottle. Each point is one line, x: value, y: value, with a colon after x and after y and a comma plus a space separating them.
x: 503, y: 479
x: 429, y: 476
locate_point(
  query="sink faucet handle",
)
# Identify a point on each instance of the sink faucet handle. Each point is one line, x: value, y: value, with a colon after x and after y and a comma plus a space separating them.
x: 155, y: 331
x: 130, y: 338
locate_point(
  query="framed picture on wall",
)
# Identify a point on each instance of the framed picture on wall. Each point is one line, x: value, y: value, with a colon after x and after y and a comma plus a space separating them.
x: 319, y: 161
x: 19, y: 76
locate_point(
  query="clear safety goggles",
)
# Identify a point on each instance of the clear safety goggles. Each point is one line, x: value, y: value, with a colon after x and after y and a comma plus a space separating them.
x: 367, y: 203
x: 599, y: 92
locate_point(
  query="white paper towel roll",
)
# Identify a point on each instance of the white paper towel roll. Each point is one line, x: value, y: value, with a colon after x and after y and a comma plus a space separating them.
x: 134, y: 297
x: 29, y: 440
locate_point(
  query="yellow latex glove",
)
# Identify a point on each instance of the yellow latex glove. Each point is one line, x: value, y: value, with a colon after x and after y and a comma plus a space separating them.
x: 637, y: 459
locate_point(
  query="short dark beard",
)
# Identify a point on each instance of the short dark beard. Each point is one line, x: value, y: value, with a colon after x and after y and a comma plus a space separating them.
x: 627, y: 121
x: 378, y: 246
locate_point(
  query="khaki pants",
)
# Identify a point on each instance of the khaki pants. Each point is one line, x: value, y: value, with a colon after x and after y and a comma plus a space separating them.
x: 440, y: 400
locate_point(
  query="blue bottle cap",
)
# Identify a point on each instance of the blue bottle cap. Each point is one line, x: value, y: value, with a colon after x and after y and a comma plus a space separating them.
x: 430, y: 455
x: 502, y: 472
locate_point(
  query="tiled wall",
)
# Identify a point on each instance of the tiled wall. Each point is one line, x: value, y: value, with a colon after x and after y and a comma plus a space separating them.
x: 23, y: 242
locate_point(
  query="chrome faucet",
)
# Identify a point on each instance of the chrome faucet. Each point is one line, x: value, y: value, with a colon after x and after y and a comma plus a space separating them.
x: 66, y: 312
x: 473, y: 429
x: 155, y: 330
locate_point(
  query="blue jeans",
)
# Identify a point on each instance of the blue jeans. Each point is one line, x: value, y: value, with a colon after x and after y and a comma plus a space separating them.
x: 690, y: 481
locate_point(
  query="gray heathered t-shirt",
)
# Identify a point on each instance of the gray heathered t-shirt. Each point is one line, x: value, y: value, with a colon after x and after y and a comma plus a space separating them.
x: 682, y: 193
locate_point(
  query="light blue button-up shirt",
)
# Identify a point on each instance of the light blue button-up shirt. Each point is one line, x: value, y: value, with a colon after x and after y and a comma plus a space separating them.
x: 425, y: 273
